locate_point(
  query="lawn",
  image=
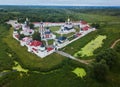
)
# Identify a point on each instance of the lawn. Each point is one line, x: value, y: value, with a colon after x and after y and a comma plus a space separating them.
x: 54, y: 28
x: 80, y: 72
x: 88, y: 49
x: 18, y: 67
x: 50, y: 42
x: 31, y: 61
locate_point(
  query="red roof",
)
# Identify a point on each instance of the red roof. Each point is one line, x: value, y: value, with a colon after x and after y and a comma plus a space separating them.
x: 49, y: 49
x: 86, y: 28
x: 83, y: 22
x: 35, y: 43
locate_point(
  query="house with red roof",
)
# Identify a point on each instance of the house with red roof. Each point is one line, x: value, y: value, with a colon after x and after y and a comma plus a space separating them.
x: 85, y: 28
x: 35, y: 43
x: 39, y: 49
x: 83, y: 24
x: 35, y: 46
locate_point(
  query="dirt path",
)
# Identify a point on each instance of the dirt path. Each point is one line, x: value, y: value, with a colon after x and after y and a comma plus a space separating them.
x: 113, y: 45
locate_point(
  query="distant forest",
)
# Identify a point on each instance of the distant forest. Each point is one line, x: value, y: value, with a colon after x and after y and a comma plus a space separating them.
x: 51, y: 14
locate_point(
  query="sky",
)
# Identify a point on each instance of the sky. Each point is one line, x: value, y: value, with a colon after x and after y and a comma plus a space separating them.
x: 62, y: 2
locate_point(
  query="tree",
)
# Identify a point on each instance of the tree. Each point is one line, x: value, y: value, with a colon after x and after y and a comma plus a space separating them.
x: 21, y: 20
x: 117, y: 48
x: 100, y: 71
x: 36, y: 36
x: 21, y: 36
x: 109, y: 55
x: 31, y: 26
x: 95, y: 25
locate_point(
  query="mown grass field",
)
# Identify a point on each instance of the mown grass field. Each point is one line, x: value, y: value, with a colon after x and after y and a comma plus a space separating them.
x: 80, y: 72
x: 29, y: 60
x: 90, y: 47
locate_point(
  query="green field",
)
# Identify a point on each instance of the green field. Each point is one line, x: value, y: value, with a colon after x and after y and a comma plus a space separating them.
x: 18, y: 67
x: 54, y: 28
x: 80, y: 72
x: 88, y: 49
x: 97, y: 17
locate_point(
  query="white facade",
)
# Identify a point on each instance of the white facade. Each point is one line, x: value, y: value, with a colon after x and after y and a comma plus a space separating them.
x: 15, y: 34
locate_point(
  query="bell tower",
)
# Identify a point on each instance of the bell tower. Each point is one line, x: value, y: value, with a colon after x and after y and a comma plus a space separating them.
x: 42, y: 30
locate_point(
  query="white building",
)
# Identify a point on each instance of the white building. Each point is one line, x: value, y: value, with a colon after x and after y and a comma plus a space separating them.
x: 16, y: 35
x: 68, y: 27
x: 26, y: 29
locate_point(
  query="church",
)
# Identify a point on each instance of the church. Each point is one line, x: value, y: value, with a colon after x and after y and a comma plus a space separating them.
x: 68, y: 27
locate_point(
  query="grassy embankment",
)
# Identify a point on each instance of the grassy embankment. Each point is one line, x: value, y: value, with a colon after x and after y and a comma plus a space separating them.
x: 6, y: 61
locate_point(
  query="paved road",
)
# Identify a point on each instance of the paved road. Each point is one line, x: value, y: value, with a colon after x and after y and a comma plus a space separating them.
x: 73, y: 58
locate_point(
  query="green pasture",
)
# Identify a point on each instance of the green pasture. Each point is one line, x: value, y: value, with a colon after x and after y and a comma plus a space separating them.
x: 88, y: 49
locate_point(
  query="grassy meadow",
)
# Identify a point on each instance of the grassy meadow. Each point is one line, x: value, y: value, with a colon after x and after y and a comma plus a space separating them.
x: 91, y: 46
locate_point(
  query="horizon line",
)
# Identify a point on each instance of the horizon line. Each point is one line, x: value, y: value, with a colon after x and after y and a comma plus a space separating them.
x: 58, y: 5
